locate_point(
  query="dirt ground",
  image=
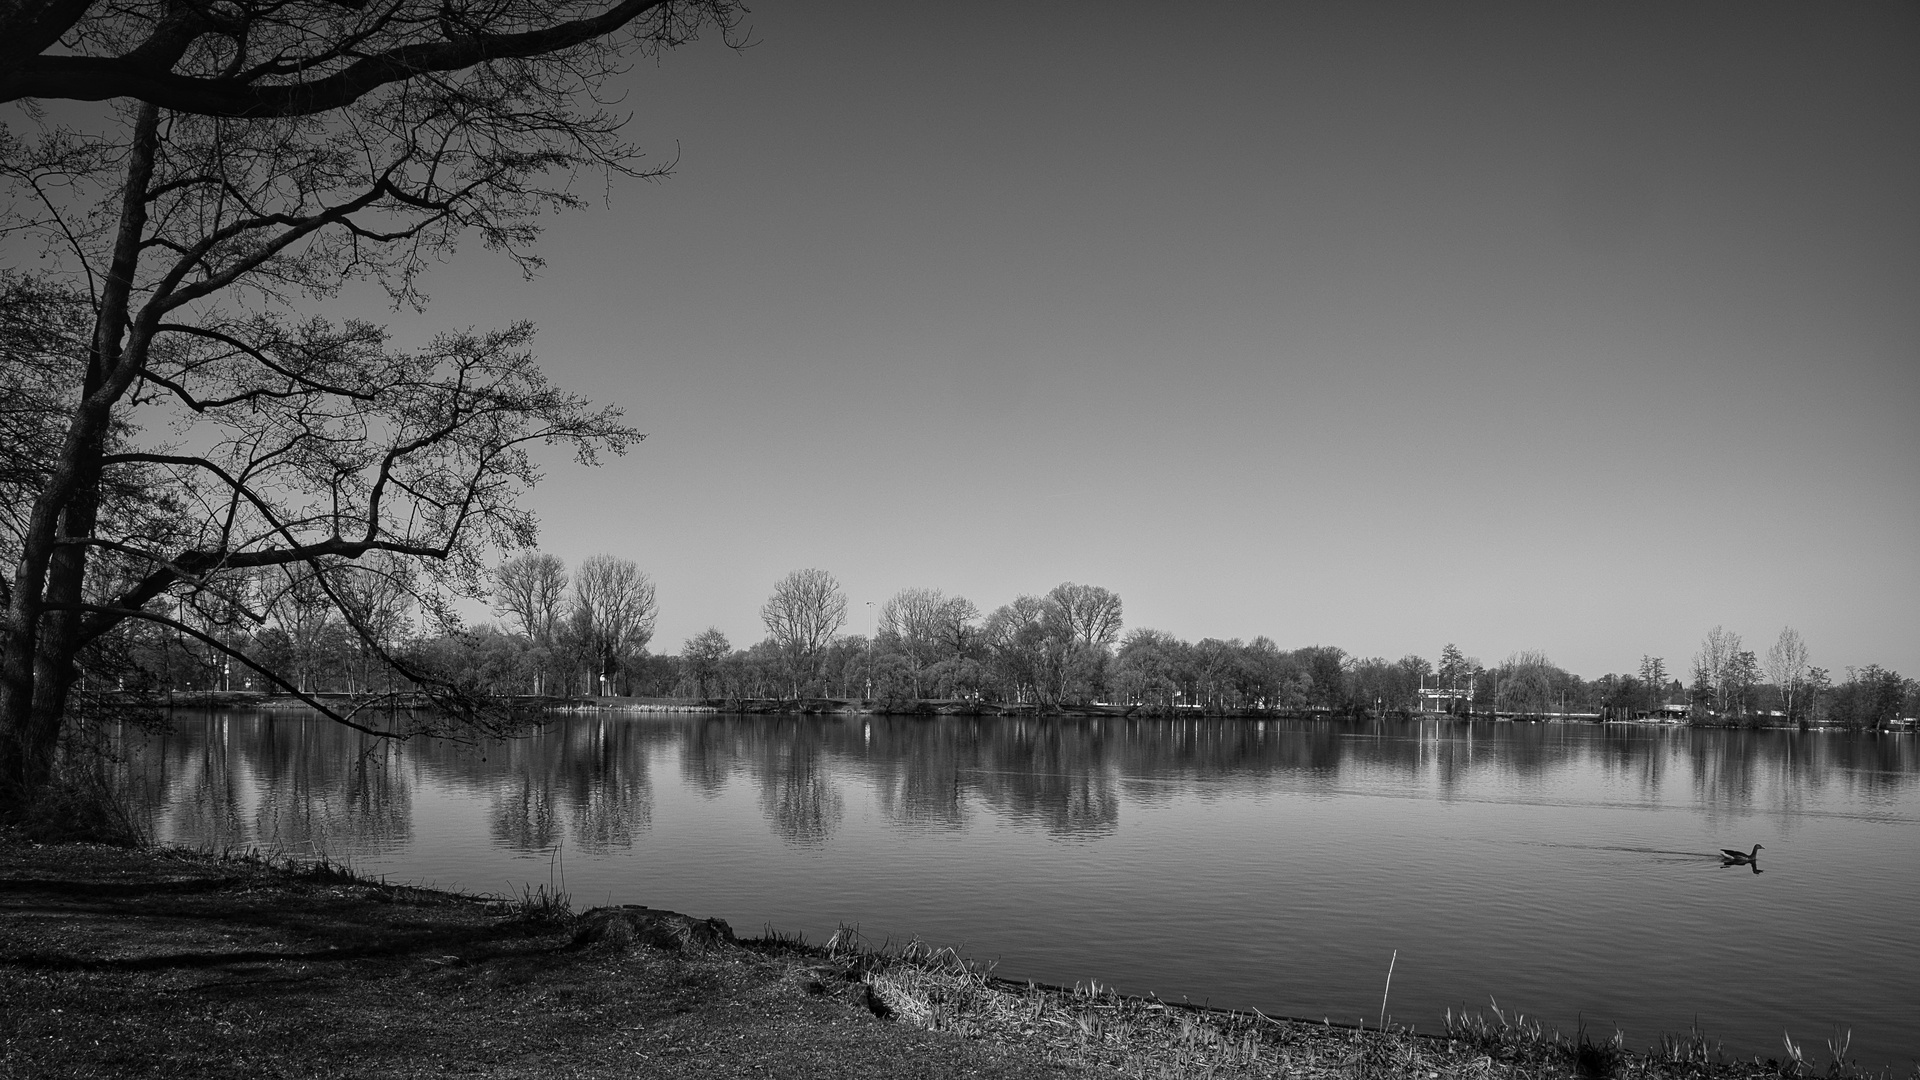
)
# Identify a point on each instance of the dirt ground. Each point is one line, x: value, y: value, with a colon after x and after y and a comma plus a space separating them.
x: 116, y: 963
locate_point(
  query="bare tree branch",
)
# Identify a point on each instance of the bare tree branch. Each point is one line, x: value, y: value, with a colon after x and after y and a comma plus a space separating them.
x: 144, y: 73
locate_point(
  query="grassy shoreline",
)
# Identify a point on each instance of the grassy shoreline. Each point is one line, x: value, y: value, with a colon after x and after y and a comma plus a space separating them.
x: 119, y: 962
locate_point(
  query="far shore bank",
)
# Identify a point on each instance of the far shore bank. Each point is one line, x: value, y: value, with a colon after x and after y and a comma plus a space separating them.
x: 244, y: 699
x: 140, y: 962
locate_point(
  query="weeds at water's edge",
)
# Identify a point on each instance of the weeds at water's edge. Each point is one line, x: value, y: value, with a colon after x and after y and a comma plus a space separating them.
x: 540, y: 905
x: 1797, y: 1064
x: 780, y: 941
x: 544, y: 905
x: 535, y: 906
x: 1090, y: 1025
x: 319, y: 869
x: 328, y: 872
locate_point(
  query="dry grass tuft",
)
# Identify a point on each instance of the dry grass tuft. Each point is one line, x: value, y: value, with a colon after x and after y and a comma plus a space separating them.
x: 1092, y: 1027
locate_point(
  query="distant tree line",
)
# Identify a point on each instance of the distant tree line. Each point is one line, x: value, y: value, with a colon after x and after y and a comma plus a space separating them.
x: 586, y: 633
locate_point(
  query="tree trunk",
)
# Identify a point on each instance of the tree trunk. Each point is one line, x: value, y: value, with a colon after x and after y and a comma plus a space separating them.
x: 37, y: 669
x: 26, y: 738
x: 54, y: 669
x: 43, y: 635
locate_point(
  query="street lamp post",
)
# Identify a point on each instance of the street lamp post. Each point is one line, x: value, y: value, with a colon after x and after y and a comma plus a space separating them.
x: 873, y: 627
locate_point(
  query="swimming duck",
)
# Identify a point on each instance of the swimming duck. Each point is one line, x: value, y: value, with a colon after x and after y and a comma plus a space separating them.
x: 1741, y: 858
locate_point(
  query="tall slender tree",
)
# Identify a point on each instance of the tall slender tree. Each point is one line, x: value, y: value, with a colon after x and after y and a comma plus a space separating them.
x: 1454, y: 670
x: 1715, y: 665
x: 1653, y: 673
x: 1787, y: 664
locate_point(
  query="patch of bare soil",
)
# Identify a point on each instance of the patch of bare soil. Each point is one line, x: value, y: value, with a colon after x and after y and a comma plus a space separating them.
x: 117, y: 963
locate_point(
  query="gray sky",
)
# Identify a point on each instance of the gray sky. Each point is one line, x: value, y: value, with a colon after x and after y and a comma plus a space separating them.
x: 1580, y: 328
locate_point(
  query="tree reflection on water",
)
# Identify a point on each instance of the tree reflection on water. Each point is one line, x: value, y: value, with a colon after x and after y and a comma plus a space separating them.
x: 797, y: 791
x: 585, y: 779
x: 297, y: 783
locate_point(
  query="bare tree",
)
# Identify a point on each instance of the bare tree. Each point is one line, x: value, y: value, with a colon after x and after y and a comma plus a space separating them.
x: 701, y: 657
x: 1738, y: 683
x: 257, y: 157
x: 376, y: 596
x: 911, y: 615
x: 613, y: 613
x: 1056, y: 645
x: 530, y: 589
x: 1085, y: 622
x: 955, y: 627
x: 806, y: 609
x: 1151, y: 666
x: 1714, y: 665
x: 1025, y: 654
x: 1653, y: 672
x: 910, y: 624
x: 1091, y: 613
x: 303, y: 611
x: 1787, y: 665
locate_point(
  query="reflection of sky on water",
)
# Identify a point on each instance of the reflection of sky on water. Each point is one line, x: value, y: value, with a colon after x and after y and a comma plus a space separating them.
x: 1262, y: 863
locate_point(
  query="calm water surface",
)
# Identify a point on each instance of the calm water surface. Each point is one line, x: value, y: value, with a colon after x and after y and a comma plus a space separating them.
x: 1566, y: 871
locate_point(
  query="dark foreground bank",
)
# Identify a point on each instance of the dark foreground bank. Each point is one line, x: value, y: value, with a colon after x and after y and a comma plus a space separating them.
x: 151, y: 963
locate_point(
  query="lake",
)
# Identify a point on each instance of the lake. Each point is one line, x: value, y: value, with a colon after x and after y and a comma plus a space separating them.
x: 1567, y: 871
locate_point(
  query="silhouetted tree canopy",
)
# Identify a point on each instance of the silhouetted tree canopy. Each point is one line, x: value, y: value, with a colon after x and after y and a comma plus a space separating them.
x: 199, y: 445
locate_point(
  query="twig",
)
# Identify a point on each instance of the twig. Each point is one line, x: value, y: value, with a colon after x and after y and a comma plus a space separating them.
x: 1387, y: 990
